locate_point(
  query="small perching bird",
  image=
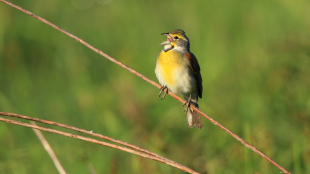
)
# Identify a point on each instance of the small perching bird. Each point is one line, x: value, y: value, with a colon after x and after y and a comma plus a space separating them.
x: 177, y: 69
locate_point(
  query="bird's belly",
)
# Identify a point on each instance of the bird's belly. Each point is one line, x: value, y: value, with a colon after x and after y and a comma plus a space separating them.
x: 173, y: 71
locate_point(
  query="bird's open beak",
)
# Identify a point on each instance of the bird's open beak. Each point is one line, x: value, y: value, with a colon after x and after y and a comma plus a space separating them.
x: 169, y: 39
x: 166, y: 43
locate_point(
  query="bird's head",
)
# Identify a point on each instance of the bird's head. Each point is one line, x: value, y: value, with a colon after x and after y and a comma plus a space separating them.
x: 176, y: 39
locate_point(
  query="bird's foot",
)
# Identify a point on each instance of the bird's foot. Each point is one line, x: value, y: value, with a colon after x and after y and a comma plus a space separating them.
x: 165, y: 89
x: 187, y: 105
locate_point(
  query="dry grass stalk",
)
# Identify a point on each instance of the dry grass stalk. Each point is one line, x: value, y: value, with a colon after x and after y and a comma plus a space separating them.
x: 49, y: 150
x: 248, y: 145
x: 136, y: 152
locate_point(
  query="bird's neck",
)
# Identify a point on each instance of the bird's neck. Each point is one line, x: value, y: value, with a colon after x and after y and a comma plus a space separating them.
x: 180, y: 49
x: 183, y: 48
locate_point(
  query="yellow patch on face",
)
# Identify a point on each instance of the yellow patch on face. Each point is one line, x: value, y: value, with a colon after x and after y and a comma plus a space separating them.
x: 175, y: 41
x: 179, y: 36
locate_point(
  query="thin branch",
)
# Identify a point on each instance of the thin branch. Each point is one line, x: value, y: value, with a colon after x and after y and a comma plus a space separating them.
x: 49, y: 150
x: 99, y: 142
x: 89, y: 133
x: 91, y: 168
x: 151, y: 82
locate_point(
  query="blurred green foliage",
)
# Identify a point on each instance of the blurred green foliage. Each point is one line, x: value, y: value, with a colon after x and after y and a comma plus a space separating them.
x: 254, y: 56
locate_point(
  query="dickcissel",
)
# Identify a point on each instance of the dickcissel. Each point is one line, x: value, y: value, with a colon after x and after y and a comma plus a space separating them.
x: 177, y: 70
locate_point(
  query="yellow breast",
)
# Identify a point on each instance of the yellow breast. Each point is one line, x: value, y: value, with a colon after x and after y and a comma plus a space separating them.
x: 168, y: 63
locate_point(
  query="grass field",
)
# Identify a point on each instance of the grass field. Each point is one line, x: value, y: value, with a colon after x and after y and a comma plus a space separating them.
x: 255, y: 64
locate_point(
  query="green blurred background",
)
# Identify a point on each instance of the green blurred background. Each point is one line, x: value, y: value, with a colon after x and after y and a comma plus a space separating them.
x: 254, y: 56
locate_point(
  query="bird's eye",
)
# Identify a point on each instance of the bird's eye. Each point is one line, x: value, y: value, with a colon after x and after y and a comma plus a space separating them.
x: 176, y: 37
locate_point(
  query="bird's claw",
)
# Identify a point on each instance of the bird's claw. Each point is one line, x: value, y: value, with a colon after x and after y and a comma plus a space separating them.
x: 187, y: 105
x: 165, y: 89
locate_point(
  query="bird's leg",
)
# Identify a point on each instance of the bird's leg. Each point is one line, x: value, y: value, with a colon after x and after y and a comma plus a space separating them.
x: 165, y: 89
x: 187, y: 103
x: 161, y: 90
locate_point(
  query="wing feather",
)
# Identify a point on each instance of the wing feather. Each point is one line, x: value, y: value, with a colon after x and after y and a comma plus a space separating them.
x: 196, y: 69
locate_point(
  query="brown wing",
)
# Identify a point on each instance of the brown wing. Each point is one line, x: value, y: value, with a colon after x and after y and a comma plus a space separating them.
x: 196, y: 69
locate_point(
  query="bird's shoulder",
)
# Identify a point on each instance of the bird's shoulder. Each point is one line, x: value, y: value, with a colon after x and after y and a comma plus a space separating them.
x: 193, y: 62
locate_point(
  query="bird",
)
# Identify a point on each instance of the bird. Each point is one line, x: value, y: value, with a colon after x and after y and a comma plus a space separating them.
x: 178, y: 71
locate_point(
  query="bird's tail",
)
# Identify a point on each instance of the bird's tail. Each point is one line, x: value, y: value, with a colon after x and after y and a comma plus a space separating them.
x: 193, y: 118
